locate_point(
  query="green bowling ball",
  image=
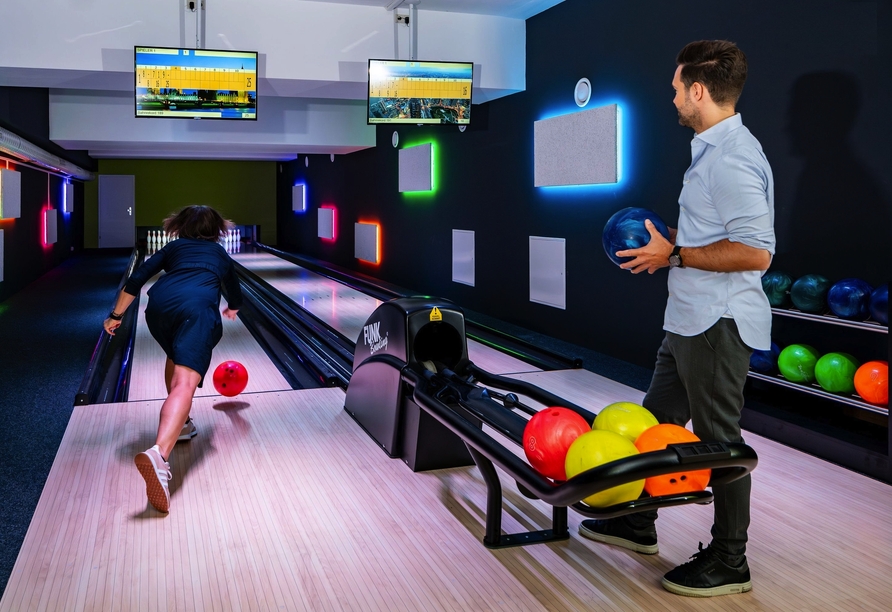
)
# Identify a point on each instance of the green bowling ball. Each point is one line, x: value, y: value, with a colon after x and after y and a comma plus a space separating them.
x: 797, y: 363
x: 835, y: 372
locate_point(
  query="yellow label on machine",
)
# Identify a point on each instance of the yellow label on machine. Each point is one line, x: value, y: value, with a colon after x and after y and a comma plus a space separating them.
x: 436, y: 315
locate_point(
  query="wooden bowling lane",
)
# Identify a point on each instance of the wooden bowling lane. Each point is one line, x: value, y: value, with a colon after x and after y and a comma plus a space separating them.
x: 282, y: 503
x: 147, y: 371
x: 346, y: 309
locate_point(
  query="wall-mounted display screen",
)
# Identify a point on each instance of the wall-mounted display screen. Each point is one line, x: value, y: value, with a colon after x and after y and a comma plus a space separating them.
x: 403, y: 91
x: 196, y: 83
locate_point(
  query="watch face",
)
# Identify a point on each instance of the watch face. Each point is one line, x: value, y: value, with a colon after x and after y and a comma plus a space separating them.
x: 674, y: 261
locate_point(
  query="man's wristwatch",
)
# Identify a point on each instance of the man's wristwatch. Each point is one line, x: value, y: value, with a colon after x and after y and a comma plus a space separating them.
x: 675, y: 258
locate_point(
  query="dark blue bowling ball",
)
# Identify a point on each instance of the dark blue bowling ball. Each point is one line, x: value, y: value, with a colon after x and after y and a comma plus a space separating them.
x: 809, y: 293
x: 850, y: 299
x: 879, y: 304
x: 765, y: 361
x: 625, y: 230
x: 776, y: 286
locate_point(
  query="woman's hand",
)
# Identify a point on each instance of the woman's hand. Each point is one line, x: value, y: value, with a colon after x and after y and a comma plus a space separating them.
x: 230, y: 314
x: 111, y: 325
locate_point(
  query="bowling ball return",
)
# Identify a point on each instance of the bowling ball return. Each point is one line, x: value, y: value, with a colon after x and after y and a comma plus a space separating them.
x: 417, y: 394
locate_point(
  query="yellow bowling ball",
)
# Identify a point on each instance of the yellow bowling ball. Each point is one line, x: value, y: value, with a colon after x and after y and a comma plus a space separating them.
x: 626, y: 419
x: 598, y: 447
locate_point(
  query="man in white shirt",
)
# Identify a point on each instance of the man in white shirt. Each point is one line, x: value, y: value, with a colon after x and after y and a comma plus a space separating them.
x: 716, y: 312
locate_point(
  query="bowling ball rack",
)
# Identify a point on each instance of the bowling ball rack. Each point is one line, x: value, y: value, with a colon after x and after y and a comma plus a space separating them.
x: 458, y: 403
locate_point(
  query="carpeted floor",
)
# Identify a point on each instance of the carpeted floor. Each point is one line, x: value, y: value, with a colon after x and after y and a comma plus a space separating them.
x: 48, y: 332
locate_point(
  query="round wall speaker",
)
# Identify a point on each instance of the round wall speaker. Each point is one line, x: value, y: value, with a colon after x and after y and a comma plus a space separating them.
x: 583, y: 92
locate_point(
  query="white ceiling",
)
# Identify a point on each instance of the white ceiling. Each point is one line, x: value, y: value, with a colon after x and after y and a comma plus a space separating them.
x: 517, y: 9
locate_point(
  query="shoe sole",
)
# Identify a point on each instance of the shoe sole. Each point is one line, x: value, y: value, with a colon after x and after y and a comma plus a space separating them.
x: 644, y: 549
x: 725, y: 589
x: 154, y: 489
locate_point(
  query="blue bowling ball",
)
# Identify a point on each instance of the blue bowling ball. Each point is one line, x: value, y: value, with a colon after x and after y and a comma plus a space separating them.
x: 809, y: 293
x: 765, y: 362
x: 776, y: 286
x: 850, y: 299
x: 879, y: 304
x: 625, y: 230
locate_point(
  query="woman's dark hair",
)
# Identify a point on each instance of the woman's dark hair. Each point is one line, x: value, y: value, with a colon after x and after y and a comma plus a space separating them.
x: 718, y: 65
x: 199, y: 222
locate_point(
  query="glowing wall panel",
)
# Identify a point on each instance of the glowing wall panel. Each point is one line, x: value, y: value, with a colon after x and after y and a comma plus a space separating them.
x: 415, y: 168
x: 1, y: 256
x: 51, y: 226
x: 366, y: 246
x: 548, y: 271
x: 326, y: 223
x: 10, y: 194
x: 67, y: 197
x: 463, y: 257
x: 299, y: 198
x: 577, y: 148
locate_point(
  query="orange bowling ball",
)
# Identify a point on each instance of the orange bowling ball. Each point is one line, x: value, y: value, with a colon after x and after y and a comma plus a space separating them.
x: 872, y: 382
x: 659, y: 437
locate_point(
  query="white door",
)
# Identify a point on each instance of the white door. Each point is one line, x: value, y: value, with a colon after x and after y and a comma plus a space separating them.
x: 117, y: 211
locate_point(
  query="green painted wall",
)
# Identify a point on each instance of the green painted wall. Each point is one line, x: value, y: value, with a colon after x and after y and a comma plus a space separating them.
x: 243, y: 191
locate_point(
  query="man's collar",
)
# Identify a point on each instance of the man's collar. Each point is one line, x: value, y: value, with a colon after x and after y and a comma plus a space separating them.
x: 714, y: 135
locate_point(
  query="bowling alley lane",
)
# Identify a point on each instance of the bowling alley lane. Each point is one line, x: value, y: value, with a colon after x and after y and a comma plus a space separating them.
x: 147, y: 373
x: 346, y: 309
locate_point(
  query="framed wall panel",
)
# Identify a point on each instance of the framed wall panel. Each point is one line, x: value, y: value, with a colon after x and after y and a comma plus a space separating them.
x: 51, y: 226
x: 2, y: 256
x: 415, y: 168
x: 366, y: 245
x: 10, y: 194
x: 579, y: 148
x: 67, y: 197
x: 326, y: 223
x: 463, y: 257
x: 299, y: 198
x: 548, y: 271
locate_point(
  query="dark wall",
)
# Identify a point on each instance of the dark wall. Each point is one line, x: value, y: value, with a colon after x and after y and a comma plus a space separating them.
x: 812, y: 99
x: 25, y: 112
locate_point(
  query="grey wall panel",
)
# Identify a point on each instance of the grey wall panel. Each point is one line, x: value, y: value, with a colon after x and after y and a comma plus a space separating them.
x: 298, y: 198
x: 2, y: 256
x: 577, y: 148
x: 51, y: 223
x: 415, y: 168
x: 548, y: 271
x: 68, y: 197
x: 463, y: 257
x: 326, y: 223
x: 366, y: 247
x: 10, y: 194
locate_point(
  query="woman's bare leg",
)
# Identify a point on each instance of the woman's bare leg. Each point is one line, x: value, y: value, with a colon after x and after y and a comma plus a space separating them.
x: 175, y: 409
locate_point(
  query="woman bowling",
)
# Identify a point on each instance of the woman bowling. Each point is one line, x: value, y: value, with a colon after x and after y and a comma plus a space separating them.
x: 183, y: 315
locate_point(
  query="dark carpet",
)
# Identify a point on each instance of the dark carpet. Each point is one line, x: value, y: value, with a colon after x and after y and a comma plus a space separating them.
x: 48, y: 332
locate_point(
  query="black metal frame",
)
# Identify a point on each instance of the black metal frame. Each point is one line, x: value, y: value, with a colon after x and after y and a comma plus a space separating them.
x: 456, y: 403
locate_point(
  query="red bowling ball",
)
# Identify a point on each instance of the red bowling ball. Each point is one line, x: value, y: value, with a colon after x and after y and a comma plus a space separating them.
x: 547, y: 437
x: 230, y: 378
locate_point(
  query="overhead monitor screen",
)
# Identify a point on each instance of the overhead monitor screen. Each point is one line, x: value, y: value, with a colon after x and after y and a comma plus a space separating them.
x: 402, y: 91
x: 196, y: 83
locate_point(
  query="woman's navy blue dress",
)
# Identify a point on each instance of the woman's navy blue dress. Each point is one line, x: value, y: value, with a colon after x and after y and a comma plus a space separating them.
x: 183, y: 313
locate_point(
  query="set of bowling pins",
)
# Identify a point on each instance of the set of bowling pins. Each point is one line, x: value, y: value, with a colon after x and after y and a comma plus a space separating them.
x: 232, y: 241
x: 157, y: 239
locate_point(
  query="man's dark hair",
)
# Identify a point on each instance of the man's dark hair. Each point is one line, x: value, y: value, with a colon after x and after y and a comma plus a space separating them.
x: 718, y: 65
x: 199, y: 222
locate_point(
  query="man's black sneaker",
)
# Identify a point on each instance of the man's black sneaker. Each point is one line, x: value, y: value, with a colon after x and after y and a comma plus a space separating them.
x: 618, y: 532
x: 708, y: 575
